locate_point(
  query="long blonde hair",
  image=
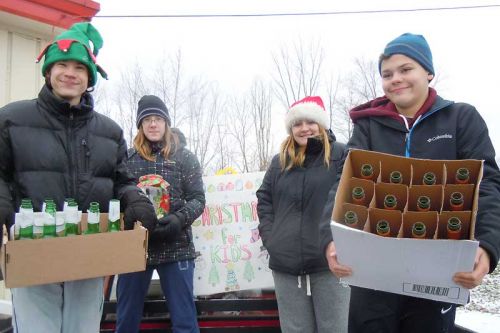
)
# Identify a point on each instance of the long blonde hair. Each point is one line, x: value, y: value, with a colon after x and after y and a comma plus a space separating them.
x: 292, y: 155
x: 170, y: 143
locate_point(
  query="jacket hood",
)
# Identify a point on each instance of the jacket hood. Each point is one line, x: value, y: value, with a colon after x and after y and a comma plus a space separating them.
x: 379, y: 107
x: 383, y: 107
x: 331, y: 136
x: 181, y: 136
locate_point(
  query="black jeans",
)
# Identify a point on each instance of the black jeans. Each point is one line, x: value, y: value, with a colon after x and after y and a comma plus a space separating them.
x: 372, y: 311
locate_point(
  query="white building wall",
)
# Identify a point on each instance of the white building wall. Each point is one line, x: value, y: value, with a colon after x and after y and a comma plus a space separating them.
x: 21, y: 41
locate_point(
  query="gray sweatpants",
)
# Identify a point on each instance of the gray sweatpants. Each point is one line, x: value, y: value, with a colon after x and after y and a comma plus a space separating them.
x: 324, y: 311
x: 68, y: 307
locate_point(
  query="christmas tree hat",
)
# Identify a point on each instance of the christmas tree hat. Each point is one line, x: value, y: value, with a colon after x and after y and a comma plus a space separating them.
x: 75, y: 44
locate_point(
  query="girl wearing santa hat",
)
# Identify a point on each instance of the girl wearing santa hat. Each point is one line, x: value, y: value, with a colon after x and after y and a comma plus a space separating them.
x: 290, y: 202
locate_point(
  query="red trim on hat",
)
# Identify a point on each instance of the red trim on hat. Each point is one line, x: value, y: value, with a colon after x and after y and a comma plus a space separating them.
x: 64, y: 45
x: 42, y: 53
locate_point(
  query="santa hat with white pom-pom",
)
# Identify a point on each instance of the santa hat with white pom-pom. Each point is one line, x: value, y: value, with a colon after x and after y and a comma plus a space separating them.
x: 310, y: 108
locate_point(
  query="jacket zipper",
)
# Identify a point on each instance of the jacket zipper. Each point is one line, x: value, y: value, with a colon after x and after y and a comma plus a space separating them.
x: 302, y: 270
x: 86, y: 155
x: 418, y: 121
x: 71, y: 158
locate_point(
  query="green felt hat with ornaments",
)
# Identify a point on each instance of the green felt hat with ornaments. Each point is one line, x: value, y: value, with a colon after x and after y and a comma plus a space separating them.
x: 75, y: 44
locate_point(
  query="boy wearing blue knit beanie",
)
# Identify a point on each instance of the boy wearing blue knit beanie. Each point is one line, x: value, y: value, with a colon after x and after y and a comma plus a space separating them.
x: 412, y: 120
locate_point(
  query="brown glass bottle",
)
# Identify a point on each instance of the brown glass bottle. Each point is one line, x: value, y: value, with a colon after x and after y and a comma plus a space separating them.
x: 351, y: 219
x: 367, y: 171
x: 418, y: 230
x: 423, y: 203
x: 454, y: 228
x: 383, y: 228
x: 462, y: 176
x: 396, y: 177
x: 456, y: 201
x: 429, y: 178
x: 358, y: 195
x: 390, y: 202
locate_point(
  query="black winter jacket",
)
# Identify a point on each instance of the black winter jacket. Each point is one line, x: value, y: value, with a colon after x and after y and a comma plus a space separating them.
x: 289, y: 207
x: 49, y: 149
x: 187, y: 197
x: 448, y: 131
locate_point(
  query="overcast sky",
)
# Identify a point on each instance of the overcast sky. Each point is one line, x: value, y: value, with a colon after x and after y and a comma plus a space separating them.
x: 233, y: 51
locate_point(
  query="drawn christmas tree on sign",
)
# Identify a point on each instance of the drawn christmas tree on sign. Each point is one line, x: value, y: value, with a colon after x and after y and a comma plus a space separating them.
x: 231, y: 280
x: 248, y: 273
x: 213, y: 276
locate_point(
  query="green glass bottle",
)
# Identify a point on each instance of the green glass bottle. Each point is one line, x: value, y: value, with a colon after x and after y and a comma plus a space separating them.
x: 418, y: 230
x: 423, y: 203
x: 66, y: 202
x: 38, y: 224
x: 462, y: 176
x: 93, y: 219
x: 27, y: 218
x: 454, y: 228
x: 396, y: 177
x: 351, y: 219
x: 358, y: 195
x: 429, y: 178
x: 383, y: 228
x: 49, y: 223
x: 367, y: 171
x: 390, y: 202
x: 71, y: 218
x: 60, y: 224
x: 114, y: 215
x: 47, y: 201
x: 456, y: 201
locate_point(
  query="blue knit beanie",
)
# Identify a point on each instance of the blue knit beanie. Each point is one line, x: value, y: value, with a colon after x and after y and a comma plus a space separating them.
x: 413, y: 46
x: 150, y: 105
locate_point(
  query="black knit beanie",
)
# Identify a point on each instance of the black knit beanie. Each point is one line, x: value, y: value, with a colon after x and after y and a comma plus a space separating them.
x: 150, y: 105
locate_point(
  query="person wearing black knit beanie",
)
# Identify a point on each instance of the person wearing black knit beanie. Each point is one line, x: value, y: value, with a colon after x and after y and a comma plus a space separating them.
x: 160, y: 150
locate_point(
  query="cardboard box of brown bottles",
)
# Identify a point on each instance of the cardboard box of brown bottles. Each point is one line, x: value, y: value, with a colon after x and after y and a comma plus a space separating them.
x: 401, y: 264
x: 49, y: 260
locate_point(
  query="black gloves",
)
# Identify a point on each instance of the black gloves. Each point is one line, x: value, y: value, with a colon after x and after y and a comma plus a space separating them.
x: 138, y: 208
x: 169, y: 227
x: 7, y: 218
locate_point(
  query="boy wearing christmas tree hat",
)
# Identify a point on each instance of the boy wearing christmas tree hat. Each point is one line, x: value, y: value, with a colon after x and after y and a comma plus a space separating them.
x: 57, y: 146
x: 74, y: 44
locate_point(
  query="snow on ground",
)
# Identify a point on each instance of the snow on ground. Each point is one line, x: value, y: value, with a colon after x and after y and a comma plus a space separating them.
x: 482, y: 314
x: 480, y: 322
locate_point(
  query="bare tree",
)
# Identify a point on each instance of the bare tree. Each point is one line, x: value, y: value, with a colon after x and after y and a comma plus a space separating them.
x: 332, y: 88
x: 240, y: 128
x: 222, y: 145
x: 260, y: 105
x: 360, y: 85
x: 130, y: 89
x: 202, y: 110
x: 342, y: 126
x: 297, y: 71
x: 167, y: 85
x: 365, y: 79
x: 101, y: 99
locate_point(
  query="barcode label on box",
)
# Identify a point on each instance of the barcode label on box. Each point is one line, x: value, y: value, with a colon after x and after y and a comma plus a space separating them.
x: 445, y: 292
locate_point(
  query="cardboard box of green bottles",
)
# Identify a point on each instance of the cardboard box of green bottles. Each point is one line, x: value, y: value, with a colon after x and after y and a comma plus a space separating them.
x: 399, y: 263
x: 49, y: 260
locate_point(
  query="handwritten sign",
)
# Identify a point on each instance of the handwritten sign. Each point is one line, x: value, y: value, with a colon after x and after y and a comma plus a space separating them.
x: 231, y: 255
